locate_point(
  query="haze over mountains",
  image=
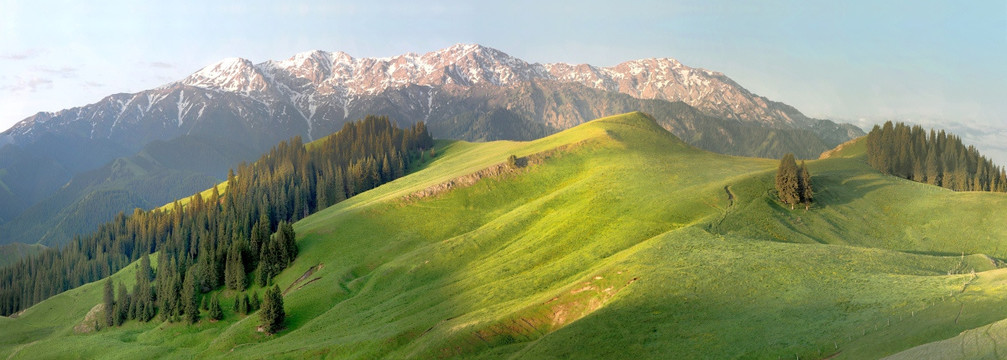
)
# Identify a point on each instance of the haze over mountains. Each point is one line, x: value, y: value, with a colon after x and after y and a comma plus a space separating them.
x: 183, y: 136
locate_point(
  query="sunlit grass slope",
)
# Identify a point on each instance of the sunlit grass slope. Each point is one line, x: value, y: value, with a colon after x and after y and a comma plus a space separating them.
x: 623, y: 242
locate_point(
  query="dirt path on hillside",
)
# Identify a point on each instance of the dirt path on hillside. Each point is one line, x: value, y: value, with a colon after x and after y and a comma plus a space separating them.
x: 308, y: 273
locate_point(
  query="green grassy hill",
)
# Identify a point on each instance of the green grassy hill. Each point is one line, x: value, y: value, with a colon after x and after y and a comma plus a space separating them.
x: 616, y: 240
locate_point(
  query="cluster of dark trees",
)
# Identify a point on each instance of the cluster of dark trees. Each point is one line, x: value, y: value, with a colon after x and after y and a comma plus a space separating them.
x: 224, y: 239
x: 793, y: 183
x: 937, y: 159
x: 138, y: 305
x: 141, y: 303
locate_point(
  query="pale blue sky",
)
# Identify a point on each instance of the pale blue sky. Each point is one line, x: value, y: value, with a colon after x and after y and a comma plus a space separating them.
x: 939, y: 63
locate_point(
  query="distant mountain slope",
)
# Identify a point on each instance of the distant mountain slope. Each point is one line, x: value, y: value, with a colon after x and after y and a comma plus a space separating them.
x: 158, y: 174
x: 11, y: 253
x: 617, y: 241
x: 469, y: 92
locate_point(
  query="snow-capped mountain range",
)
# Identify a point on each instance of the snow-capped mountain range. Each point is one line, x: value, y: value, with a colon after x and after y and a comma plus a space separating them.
x: 318, y: 89
x: 341, y: 77
x: 165, y: 143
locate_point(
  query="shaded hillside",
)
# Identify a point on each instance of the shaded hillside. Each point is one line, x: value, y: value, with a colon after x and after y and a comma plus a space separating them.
x: 161, y: 172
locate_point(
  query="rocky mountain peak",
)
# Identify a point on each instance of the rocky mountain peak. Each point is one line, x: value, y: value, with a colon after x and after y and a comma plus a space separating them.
x: 316, y: 86
x: 232, y: 74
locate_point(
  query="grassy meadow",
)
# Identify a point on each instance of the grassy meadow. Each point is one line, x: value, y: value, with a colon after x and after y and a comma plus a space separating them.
x: 624, y: 242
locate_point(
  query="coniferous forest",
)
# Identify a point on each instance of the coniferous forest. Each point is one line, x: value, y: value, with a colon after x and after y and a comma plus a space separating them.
x: 937, y: 159
x: 238, y: 234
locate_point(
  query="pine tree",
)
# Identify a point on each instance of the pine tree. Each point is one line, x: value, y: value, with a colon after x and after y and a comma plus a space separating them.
x: 234, y: 271
x: 932, y: 166
x: 787, y: 181
x: 145, y: 271
x: 215, y: 312
x: 272, y: 313
x: 290, y: 239
x: 207, y: 272
x: 261, y: 274
x: 121, y: 305
x: 245, y: 304
x: 240, y: 279
x: 108, y: 299
x: 190, y: 293
x: 807, y: 193
x: 254, y: 302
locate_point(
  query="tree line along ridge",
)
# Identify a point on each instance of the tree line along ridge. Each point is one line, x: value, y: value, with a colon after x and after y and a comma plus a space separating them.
x: 937, y: 159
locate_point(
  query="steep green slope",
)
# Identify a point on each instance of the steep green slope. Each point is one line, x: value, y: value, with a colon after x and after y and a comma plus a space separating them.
x: 616, y: 240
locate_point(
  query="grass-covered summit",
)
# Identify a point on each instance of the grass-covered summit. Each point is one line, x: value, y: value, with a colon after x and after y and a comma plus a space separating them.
x: 613, y: 239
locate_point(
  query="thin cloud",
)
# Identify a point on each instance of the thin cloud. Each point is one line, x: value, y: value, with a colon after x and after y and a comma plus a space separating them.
x: 65, y: 72
x: 161, y: 65
x: 93, y: 84
x: 30, y: 85
x: 24, y: 55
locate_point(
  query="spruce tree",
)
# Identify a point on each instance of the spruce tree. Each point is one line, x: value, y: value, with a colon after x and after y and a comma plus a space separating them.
x: 245, y: 305
x: 787, y: 181
x: 290, y: 239
x: 207, y: 275
x: 272, y: 313
x: 240, y: 279
x: 121, y: 305
x: 807, y: 194
x: 261, y: 274
x: 254, y: 302
x: 215, y: 312
x: 108, y: 299
x: 145, y: 271
x: 932, y: 166
x: 190, y: 293
x: 234, y: 270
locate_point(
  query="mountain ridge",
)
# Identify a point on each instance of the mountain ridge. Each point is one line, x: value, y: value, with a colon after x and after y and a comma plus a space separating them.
x: 337, y: 79
x: 468, y: 92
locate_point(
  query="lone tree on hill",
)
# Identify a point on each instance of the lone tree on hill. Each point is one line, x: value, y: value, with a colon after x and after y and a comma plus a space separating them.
x: 272, y: 313
x: 793, y: 183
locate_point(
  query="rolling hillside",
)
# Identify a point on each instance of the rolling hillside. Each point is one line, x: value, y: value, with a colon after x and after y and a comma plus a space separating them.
x: 611, y: 239
x: 233, y: 110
